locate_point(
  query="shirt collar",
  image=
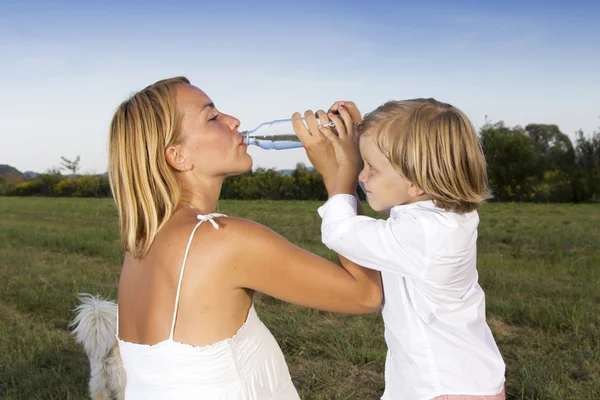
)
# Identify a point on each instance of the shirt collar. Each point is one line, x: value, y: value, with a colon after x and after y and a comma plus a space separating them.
x: 417, y: 204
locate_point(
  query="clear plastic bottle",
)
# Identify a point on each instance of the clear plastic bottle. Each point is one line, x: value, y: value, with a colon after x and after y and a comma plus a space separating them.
x: 274, y: 135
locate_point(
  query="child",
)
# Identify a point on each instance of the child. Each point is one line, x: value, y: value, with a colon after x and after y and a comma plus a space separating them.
x: 422, y: 163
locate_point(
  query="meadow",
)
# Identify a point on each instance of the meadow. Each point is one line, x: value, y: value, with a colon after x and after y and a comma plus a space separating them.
x: 539, y: 265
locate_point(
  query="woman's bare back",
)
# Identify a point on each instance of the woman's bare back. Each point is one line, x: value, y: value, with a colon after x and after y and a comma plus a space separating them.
x: 210, y: 307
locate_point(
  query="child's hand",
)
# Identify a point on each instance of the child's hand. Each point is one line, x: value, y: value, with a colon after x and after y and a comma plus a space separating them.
x: 345, y: 143
x: 348, y: 106
x: 345, y: 146
x: 318, y: 148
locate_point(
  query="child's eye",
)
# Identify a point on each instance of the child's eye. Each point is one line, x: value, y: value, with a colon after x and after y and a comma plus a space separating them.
x: 214, y: 118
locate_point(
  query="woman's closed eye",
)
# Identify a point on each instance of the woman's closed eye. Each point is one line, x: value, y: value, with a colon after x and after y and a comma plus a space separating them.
x: 214, y: 118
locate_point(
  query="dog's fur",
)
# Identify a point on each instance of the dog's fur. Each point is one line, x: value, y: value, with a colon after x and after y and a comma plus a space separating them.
x: 95, y: 325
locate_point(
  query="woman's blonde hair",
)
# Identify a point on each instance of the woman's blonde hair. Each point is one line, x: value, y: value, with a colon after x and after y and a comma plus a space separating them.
x: 435, y: 146
x: 142, y: 182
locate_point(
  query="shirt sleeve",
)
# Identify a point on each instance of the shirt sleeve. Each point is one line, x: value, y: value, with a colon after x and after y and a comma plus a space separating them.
x: 395, y: 245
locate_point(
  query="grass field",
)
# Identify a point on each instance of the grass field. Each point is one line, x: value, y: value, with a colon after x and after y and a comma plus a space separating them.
x: 539, y: 266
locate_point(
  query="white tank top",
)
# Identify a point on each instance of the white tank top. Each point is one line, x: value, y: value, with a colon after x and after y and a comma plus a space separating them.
x: 249, y: 365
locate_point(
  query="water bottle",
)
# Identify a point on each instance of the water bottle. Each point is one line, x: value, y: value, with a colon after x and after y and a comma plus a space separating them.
x: 274, y: 135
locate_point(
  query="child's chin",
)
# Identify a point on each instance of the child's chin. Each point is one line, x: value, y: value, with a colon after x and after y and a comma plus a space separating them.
x: 378, y: 207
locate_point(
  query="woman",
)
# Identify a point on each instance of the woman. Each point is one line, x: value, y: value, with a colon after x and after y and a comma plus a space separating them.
x: 186, y: 325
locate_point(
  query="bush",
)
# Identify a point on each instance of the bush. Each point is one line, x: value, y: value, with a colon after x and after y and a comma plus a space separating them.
x: 65, y: 188
x: 30, y: 188
x: 91, y: 186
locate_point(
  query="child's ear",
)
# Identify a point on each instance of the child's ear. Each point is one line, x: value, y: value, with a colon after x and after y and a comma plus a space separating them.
x: 415, y: 191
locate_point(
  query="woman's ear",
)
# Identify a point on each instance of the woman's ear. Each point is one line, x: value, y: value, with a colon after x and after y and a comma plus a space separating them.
x: 176, y: 159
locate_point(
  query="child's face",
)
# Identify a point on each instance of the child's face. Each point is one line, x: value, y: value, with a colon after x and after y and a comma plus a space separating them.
x: 385, y: 188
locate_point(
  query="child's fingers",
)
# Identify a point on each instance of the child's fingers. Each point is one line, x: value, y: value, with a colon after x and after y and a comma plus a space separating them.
x: 347, y: 121
x: 353, y: 110
x: 339, y: 125
x: 348, y: 106
x: 335, y: 107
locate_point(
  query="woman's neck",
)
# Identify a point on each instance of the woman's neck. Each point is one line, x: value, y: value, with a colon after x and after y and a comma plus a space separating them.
x: 202, y: 196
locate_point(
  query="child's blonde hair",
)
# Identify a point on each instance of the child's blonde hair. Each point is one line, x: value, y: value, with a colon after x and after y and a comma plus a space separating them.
x: 433, y: 145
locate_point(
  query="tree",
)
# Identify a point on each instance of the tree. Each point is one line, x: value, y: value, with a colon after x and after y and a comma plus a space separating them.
x: 553, y: 146
x: 587, y: 158
x: 48, y: 180
x: 510, y: 155
x: 55, y: 171
x: 587, y: 152
x: 69, y: 165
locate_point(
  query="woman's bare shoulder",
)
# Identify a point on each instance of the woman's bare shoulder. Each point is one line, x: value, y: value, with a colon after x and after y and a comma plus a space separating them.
x: 235, y: 233
x: 219, y: 236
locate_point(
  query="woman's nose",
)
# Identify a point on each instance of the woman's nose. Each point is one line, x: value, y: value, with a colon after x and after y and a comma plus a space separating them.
x: 234, y: 123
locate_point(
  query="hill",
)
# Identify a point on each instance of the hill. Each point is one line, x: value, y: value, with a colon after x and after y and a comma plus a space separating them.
x: 30, y: 174
x: 10, y: 174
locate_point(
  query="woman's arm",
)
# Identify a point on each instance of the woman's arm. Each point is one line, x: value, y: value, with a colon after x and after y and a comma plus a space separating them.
x: 260, y: 259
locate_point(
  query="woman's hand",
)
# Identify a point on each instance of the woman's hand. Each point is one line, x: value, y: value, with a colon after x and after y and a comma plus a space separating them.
x: 318, y: 149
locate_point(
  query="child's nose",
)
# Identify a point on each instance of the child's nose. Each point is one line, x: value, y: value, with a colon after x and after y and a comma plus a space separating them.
x: 362, y: 176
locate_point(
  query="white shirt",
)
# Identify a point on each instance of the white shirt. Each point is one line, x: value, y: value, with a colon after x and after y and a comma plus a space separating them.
x: 434, y: 311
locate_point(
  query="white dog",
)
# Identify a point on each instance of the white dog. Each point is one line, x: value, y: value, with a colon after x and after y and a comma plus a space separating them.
x: 95, y: 325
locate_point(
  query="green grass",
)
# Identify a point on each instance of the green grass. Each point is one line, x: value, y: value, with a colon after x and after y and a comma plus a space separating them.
x: 539, y: 266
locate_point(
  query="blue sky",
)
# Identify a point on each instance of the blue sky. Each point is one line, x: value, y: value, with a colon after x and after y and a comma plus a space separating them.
x: 66, y: 65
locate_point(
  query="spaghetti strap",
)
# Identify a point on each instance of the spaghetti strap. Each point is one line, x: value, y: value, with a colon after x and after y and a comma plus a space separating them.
x: 202, y: 218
